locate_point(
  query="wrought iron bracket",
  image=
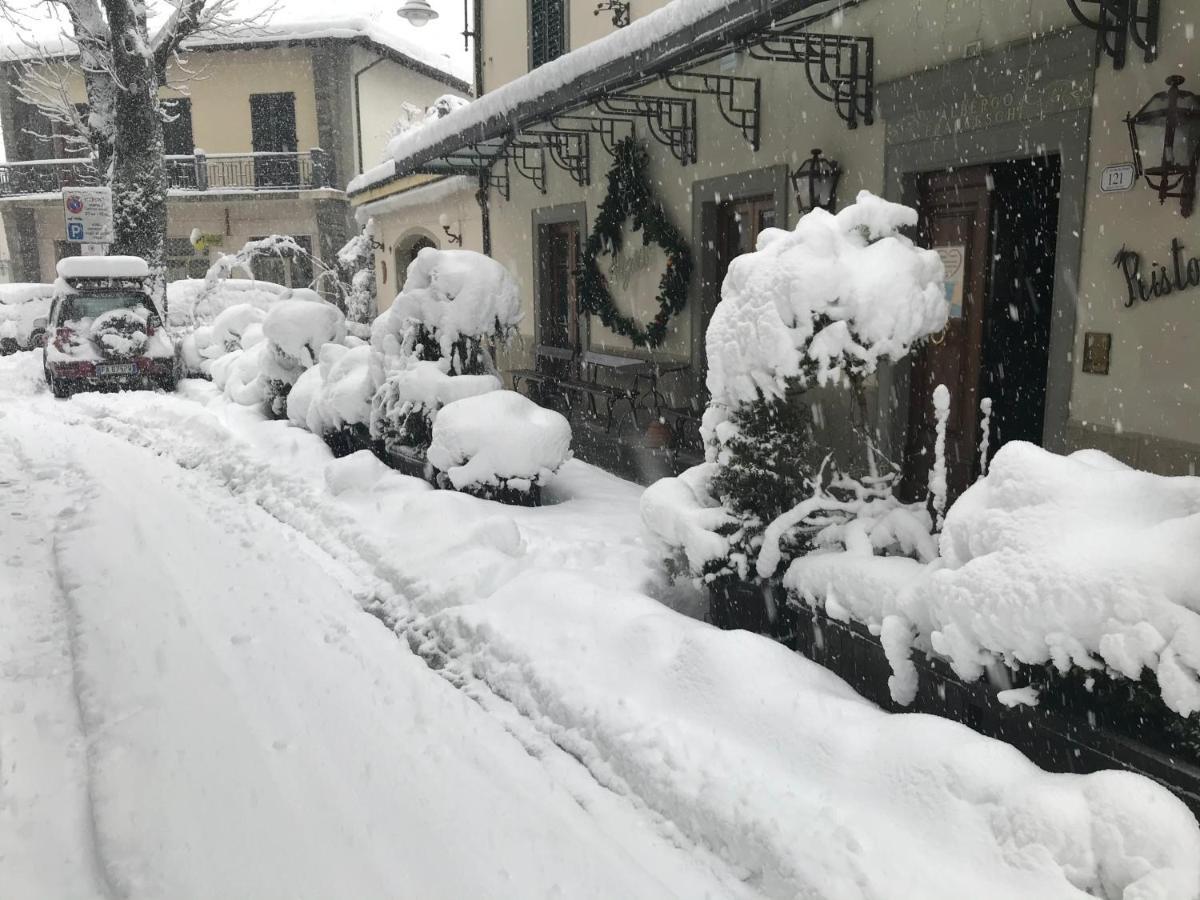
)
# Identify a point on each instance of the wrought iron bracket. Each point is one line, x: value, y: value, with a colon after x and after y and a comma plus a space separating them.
x: 472, y: 159
x: 570, y: 150
x: 671, y: 121
x: 738, y: 98
x: 610, y: 128
x: 839, y: 68
x: 1118, y: 21
x: 529, y: 159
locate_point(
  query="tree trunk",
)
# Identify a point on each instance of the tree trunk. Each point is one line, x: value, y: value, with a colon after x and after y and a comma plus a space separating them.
x: 139, y: 181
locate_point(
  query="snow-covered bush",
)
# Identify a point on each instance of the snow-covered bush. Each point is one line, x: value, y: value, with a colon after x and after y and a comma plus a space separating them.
x: 342, y: 400
x: 356, y: 271
x: 435, y: 333
x: 1072, y: 565
x: 225, y: 333
x: 818, y: 306
x: 498, y: 444
x: 295, y: 331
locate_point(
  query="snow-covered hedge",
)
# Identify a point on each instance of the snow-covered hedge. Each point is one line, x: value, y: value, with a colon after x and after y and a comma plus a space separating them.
x: 295, y: 332
x: 499, y: 441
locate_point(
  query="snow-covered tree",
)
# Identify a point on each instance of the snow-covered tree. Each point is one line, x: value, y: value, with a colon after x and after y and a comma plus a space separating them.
x: 124, y: 48
x: 356, y: 273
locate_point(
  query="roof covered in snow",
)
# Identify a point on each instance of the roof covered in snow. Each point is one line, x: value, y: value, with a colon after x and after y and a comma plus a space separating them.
x: 437, y: 50
x: 681, y: 30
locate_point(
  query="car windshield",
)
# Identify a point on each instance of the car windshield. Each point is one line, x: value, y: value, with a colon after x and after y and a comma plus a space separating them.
x: 88, y: 306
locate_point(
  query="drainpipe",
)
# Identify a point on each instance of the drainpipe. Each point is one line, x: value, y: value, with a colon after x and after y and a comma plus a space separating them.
x: 477, y: 32
x: 358, y: 111
x: 485, y: 215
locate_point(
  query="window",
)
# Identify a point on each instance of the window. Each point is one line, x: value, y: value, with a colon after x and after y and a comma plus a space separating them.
x: 177, y: 127
x: 293, y: 270
x: 273, y: 131
x: 183, y: 261
x: 547, y: 31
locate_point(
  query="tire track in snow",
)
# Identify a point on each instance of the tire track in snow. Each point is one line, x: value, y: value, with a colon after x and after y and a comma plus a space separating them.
x: 202, y: 444
x: 39, y: 475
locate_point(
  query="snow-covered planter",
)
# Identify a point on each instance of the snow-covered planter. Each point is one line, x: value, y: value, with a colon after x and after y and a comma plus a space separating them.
x: 295, y: 331
x: 499, y: 445
x: 819, y: 306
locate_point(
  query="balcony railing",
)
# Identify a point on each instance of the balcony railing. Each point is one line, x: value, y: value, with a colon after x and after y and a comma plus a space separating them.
x: 199, y: 172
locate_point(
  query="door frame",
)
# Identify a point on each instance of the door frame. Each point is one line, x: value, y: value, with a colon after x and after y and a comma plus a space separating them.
x: 555, y: 215
x: 705, y: 292
x: 1067, y: 55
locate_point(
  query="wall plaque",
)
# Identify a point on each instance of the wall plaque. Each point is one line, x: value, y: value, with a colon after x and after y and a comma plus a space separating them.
x: 1116, y: 178
x: 1097, y: 347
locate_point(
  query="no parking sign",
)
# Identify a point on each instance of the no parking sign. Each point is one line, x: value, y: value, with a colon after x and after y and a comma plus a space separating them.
x: 88, y: 211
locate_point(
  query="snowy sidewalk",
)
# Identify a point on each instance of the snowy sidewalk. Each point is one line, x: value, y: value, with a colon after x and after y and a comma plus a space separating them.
x: 251, y: 731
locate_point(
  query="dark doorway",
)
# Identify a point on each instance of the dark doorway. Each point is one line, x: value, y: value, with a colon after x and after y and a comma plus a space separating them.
x: 273, y: 131
x: 738, y: 224
x: 177, y: 127
x: 996, y: 228
x: 558, y: 311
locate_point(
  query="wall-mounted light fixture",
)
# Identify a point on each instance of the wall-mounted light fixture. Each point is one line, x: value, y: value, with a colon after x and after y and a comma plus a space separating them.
x: 452, y: 237
x: 1165, y: 137
x: 815, y: 183
x: 373, y: 243
x: 619, y: 10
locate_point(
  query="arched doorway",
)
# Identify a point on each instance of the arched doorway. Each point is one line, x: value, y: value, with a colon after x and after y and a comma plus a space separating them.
x: 406, y: 250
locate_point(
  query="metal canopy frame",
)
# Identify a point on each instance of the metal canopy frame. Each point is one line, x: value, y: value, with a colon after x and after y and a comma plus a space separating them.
x: 1116, y: 22
x: 570, y: 150
x: 739, y: 98
x: 840, y: 68
x: 670, y: 120
x: 609, y: 128
x: 489, y: 160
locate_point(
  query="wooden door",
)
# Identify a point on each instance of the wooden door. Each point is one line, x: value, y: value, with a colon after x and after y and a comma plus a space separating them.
x: 558, y: 309
x: 273, y: 130
x: 739, y: 223
x: 955, y: 215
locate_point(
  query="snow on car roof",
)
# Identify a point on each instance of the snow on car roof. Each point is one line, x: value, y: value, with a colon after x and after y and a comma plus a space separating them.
x: 102, y: 267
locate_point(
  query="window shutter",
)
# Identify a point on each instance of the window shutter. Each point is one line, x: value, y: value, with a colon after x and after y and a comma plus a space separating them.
x: 547, y: 31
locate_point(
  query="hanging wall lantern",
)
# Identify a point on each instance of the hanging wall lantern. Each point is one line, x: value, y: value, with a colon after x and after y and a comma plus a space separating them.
x: 815, y: 183
x: 417, y: 12
x: 1165, y: 136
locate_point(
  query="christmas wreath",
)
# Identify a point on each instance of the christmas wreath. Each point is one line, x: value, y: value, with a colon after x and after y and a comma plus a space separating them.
x: 629, y: 194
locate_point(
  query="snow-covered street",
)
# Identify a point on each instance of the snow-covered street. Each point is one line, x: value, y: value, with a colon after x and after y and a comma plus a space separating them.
x: 231, y: 666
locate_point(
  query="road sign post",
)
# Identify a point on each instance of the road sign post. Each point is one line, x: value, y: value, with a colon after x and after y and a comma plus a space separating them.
x: 89, y: 214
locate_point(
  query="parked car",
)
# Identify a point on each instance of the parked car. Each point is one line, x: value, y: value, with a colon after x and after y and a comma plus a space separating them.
x: 105, y: 332
x: 24, y: 310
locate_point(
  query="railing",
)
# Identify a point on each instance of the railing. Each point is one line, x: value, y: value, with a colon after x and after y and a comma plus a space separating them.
x: 198, y: 172
x: 45, y: 176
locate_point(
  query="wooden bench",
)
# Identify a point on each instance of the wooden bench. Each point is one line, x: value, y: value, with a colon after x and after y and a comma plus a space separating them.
x: 582, y: 378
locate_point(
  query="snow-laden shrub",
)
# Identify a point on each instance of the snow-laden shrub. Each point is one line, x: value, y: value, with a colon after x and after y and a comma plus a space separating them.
x: 453, y: 301
x: 295, y: 331
x: 499, y: 442
x: 431, y: 346
x: 356, y: 271
x: 404, y: 406
x: 343, y: 399
x: 821, y: 305
x: 231, y: 323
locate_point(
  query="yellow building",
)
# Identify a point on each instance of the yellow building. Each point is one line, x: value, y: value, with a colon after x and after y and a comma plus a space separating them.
x: 1003, y: 123
x: 264, y: 133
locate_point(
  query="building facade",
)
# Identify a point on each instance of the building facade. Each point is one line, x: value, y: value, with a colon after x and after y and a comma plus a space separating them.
x: 1003, y: 124
x: 262, y: 136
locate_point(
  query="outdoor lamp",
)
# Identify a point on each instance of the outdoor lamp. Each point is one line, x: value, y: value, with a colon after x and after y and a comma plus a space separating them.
x: 1165, y: 137
x: 417, y: 12
x: 815, y: 182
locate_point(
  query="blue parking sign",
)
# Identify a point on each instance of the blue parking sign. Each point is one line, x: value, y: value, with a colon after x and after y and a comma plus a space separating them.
x: 74, y: 231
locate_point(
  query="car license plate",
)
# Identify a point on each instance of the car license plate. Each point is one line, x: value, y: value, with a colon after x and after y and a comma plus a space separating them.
x: 117, y: 369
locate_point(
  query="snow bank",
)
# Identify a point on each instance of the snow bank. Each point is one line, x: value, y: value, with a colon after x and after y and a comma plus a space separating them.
x: 190, y: 303
x: 21, y: 306
x: 452, y: 294
x: 1076, y: 561
x: 748, y: 748
x: 499, y: 438
x: 824, y: 301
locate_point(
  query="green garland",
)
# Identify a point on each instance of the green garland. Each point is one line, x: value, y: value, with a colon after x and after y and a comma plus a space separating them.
x: 629, y: 194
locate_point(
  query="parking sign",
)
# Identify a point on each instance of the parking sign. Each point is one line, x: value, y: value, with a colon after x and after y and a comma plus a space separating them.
x: 88, y: 212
